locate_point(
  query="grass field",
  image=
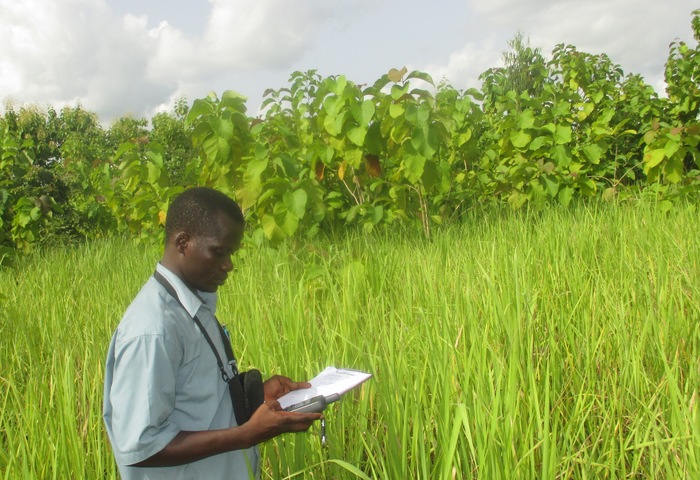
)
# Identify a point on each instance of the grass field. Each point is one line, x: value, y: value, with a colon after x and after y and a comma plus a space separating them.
x: 558, y: 344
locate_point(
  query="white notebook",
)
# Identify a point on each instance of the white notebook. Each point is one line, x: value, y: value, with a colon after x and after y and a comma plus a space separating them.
x: 332, y: 383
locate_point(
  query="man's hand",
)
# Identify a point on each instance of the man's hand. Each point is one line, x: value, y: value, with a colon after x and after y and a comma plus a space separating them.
x: 269, y: 420
x: 277, y: 385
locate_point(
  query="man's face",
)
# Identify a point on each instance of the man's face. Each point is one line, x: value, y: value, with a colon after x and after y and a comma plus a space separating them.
x: 207, y: 259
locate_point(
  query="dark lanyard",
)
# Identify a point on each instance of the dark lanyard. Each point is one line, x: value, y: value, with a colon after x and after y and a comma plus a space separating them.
x: 224, y: 337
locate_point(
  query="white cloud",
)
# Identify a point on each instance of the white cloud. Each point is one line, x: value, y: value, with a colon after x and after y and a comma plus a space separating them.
x: 241, y: 35
x: 464, y: 67
x: 58, y: 51
x: 256, y: 34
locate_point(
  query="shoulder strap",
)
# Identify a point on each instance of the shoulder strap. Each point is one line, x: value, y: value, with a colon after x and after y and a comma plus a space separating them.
x: 227, y: 344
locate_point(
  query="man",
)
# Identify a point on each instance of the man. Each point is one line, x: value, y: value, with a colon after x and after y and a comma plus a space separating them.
x: 167, y: 410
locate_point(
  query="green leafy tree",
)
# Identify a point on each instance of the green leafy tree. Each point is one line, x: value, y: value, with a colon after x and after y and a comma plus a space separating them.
x: 573, y: 128
x: 23, y: 217
x: 671, y: 154
x: 221, y: 137
x: 171, y: 131
x: 127, y: 129
x: 284, y: 183
x: 523, y: 75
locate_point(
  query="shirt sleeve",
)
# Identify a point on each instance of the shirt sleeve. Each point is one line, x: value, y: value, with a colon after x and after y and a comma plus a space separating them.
x: 143, y: 396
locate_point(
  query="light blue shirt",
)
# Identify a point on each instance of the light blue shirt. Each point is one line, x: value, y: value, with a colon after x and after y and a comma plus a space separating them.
x: 162, y: 378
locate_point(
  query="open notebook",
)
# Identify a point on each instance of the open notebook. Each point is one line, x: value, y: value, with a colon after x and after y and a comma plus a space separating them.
x: 332, y: 383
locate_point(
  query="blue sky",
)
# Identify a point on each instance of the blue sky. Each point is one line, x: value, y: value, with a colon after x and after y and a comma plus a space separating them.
x: 131, y: 57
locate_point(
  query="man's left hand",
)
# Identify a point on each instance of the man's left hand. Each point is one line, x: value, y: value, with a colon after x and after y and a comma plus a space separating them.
x: 277, y: 385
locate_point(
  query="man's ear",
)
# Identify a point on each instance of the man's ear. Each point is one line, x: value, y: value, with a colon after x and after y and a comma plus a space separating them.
x: 182, y: 239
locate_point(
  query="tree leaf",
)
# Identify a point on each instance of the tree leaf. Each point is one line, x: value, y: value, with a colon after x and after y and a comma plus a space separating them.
x: 290, y: 224
x: 552, y: 185
x: 363, y: 112
x: 609, y: 194
x: 538, y: 142
x: 123, y: 148
x: 153, y: 173
x: 233, y: 95
x: 331, y: 105
x: 673, y: 169
x: 374, y: 169
x: 562, y: 134
x: 374, y: 143
x: 671, y: 148
x: 520, y: 139
x: 565, y: 195
x: 339, y: 84
x: 319, y: 169
x: 354, y: 157
x: 396, y: 110
x: 420, y: 75
x: 650, y: 136
x: 423, y: 113
x: 517, y: 199
x: 357, y: 135
x: 525, y: 119
x: 341, y: 170
x: 211, y: 147
x: 334, y: 123
x: 223, y: 128
x: 431, y: 175
x: 593, y: 153
x: 271, y: 230
x: 561, y: 155
x: 652, y: 158
x: 413, y: 167
x: 200, y: 107
x: 295, y: 202
x: 397, y: 92
x: 397, y: 75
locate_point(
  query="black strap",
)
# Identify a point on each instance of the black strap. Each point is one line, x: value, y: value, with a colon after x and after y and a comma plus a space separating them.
x: 224, y: 337
x: 243, y: 404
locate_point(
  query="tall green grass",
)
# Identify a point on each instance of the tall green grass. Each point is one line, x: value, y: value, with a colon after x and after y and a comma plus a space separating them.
x: 561, y: 344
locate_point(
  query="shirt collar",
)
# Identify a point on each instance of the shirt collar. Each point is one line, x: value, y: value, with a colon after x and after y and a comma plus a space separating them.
x: 191, y: 300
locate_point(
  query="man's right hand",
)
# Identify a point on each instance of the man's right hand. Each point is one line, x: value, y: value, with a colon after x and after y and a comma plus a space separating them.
x: 269, y: 420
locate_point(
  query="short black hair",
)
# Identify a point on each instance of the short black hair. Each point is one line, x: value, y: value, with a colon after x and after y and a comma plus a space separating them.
x: 195, y: 211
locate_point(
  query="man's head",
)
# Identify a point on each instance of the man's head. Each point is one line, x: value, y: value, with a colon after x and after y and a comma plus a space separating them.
x: 195, y: 211
x: 203, y: 228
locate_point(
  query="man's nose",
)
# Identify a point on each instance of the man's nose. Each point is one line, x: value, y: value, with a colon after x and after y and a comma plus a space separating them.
x: 227, y: 264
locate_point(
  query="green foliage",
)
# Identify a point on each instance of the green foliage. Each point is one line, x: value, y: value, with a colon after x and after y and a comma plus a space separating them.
x: 172, y: 132
x: 671, y: 154
x: 327, y: 152
x: 524, y: 71
x: 60, y: 146
x: 280, y: 185
x: 577, y: 135
x: 142, y: 192
x: 22, y: 216
x: 221, y: 136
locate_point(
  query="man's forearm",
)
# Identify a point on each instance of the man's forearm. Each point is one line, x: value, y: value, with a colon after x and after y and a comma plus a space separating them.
x: 188, y: 447
x: 267, y: 422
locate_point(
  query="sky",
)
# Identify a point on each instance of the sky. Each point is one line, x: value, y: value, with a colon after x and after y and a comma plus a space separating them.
x: 137, y: 57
